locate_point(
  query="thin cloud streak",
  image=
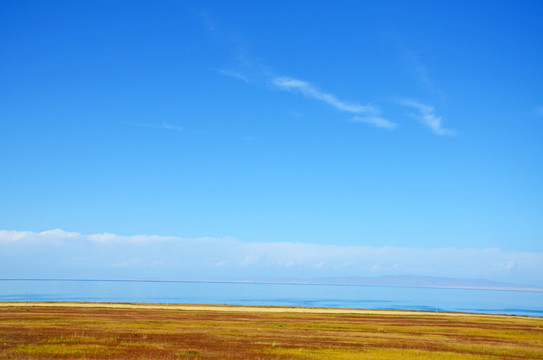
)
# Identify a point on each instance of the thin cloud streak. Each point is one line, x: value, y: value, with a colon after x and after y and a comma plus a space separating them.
x: 305, y: 88
x: 234, y: 75
x: 419, y: 70
x: 171, y: 127
x: 367, y: 114
x: 207, y: 21
x: 166, y: 126
x: 376, y: 121
x: 428, y: 117
x: 370, y: 113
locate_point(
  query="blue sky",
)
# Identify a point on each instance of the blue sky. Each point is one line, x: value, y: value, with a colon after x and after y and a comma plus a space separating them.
x: 361, y: 125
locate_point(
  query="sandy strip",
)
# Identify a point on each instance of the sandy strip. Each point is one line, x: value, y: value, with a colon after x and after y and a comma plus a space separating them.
x: 238, y: 308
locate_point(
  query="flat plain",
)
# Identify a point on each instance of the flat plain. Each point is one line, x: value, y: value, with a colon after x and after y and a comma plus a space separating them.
x: 159, y: 331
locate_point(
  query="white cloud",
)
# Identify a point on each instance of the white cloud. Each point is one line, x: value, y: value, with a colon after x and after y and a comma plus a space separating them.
x: 291, y: 84
x: 428, y: 117
x: 57, y: 253
x: 370, y: 114
x: 108, y: 238
x: 367, y: 114
x: 11, y: 236
x: 58, y: 233
x: 539, y: 111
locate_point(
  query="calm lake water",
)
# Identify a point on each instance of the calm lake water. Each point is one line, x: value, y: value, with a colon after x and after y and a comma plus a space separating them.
x: 365, y: 297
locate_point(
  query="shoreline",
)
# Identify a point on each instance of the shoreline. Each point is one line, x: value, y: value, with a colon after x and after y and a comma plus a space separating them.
x: 246, y: 308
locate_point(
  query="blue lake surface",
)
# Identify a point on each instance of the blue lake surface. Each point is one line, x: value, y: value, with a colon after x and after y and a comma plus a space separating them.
x: 336, y: 296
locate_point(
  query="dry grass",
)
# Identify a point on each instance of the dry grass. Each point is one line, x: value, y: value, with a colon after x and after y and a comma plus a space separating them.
x: 101, y: 331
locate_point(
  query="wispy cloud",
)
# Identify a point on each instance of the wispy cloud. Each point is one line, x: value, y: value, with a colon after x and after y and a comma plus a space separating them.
x: 420, y: 71
x: 376, y: 121
x: 370, y: 114
x: 305, y: 88
x: 166, y: 126
x: 56, y: 253
x: 171, y: 127
x: 367, y: 114
x: 253, y: 71
x: 208, y: 22
x: 234, y: 74
x: 426, y: 115
x: 539, y: 111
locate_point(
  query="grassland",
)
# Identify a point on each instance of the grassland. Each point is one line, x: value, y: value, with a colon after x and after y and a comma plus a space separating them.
x: 129, y: 331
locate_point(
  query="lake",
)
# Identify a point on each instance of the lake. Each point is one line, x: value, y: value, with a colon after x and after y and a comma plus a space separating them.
x: 336, y: 296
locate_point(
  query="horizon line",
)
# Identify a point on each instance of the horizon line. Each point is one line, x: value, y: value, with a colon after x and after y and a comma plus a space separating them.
x: 294, y: 282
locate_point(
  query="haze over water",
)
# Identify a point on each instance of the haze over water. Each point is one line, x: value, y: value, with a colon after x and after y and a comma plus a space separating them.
x: 365, y: 297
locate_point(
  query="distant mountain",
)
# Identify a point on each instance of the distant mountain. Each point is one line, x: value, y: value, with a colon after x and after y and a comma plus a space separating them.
x: 423, y: 281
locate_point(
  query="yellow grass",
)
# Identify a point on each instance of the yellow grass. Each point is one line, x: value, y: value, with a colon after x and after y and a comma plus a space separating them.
x: 156, y: 331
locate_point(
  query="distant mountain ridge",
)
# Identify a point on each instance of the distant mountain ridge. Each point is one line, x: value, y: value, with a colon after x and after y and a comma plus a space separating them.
x: 424, y: 281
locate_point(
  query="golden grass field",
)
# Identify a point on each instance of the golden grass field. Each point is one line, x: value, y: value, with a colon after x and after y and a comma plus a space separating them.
x: 154, y: 331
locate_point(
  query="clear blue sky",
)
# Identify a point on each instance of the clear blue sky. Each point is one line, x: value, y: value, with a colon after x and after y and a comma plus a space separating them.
x: 415, y: 125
